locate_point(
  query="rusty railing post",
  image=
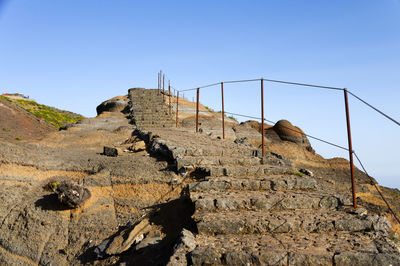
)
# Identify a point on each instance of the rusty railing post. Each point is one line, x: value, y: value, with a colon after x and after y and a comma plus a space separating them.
x: 159, y: 82
x: 223, y: 110
x: 177, y: 108
x: 262, y: 117
x: 163, y: 86
x: 169, y: 99
x: 197, y: 110
x: 353, y: 182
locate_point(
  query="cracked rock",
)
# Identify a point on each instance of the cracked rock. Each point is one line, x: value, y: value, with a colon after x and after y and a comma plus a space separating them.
x: 71, y: 194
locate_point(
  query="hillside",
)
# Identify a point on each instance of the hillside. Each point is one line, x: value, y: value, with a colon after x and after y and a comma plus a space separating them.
x: 161, y: 195
x: 24, y: 119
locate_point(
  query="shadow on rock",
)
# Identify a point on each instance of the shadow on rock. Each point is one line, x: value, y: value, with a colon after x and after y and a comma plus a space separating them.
x: 50, y: 203
x: 172, y: 217
x: 149, y: 241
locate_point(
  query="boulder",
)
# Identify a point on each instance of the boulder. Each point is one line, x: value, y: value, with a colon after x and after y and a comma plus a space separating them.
x: 138, y: 146
x: 116, y: 104
x: 284, y: 130
x: 72, y: 194
x: 109, y: 151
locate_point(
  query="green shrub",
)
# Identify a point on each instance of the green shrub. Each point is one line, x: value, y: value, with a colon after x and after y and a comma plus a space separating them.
x: 298, y: 174
x: 47, y: 113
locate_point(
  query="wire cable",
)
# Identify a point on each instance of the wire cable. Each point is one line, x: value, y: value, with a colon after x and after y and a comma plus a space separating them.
x: 321, y: 140
x: 201, y: 87
x: 268, y: 80
x: 376, y: 109
x: 377, y: 189
x: 303, y: 84
x: 240, y: 81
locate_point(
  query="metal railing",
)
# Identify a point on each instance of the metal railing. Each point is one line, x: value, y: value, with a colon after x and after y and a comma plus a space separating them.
x: 346, y: 105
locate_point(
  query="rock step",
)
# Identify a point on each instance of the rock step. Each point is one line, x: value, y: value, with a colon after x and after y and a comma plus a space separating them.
x: 260, y: 170
x: 153, y: 120
x: 217, y: 161
x: 148, y: 109
x: 293, y: 249
x: 309, y: 221
x: 263, y: 201
x: 275, y: 182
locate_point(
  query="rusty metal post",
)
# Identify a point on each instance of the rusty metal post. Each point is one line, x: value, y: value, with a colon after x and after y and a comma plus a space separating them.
x: 262, y: 117
x: 169, y: 99
x: 163, y: 85
x: 223, y: 110
x: 159, y: 83
x: 353, y: 182
x: 197, y: 110
x: 177, y: 108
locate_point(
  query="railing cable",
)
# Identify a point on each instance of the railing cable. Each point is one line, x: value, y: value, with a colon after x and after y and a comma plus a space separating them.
x: 377, y: 189
x: 376, y: 109
x: 321, y: 140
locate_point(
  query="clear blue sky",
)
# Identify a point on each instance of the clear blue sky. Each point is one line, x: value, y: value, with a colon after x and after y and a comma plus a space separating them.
x: 75, y: 54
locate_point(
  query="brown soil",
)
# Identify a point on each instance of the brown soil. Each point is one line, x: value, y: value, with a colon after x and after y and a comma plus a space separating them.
x: 17, y: 124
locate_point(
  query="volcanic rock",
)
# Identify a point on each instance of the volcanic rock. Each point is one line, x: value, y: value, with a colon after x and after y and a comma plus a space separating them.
x: 71, y: 194
x: 116, y: 104
x: 288, y: 132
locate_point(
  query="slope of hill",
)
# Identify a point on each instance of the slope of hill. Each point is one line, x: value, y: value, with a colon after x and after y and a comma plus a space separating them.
x: 24, y: 119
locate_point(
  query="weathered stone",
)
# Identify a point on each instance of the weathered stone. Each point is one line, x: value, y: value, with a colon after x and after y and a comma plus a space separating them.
x: 138, y: 146
x: 71, y: 194
x: 204, y: 204
x: 205, y: 256
x: 353, y: 225
x: 128, y: 237
x: 304, y: 259
x: 380, y: 224
x: 239, y: 257
x: 243, y: 141
x: 109, y: 151
x: 366, y: 259
x: 186, y: 243
x: 148, y: 242
x: 227, y: 204
x: 116, y: 104
x: 329, y: 203
x: 261, y: 203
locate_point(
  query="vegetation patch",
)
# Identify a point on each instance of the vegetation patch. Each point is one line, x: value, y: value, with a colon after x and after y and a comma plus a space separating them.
x: 233, y: 118
x: 300, y: 174
x: 46, y: 113
x: 5, y: 98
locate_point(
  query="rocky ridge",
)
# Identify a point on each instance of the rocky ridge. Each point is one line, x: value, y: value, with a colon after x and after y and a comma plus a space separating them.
x: 188, y: 199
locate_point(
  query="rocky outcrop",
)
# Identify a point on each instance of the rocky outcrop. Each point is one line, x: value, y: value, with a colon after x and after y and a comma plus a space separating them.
x: 116, y: 104
x: 72, y: 194
x: 284, y: 130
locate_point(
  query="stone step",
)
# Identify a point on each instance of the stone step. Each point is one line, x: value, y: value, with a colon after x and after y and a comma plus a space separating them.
x: 217, y: 161
x: 309, y: 221
x: 293, y: 249
x: 260, y: 170
x: 275, y: 182
x: 264, y: 201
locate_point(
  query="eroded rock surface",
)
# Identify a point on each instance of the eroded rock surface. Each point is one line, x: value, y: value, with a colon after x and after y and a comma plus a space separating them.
x: 183, y: 199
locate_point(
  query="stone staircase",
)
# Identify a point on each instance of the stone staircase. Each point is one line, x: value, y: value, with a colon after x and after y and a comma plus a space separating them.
x: 148, y: 109
x: 261, y: 211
